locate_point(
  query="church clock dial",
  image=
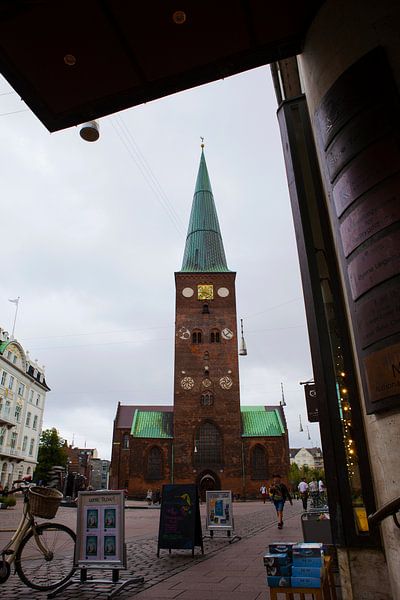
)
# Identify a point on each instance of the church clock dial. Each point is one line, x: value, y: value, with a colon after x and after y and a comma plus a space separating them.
x: 187, y: 383
x: 205, y: 292
x: 223, y: 292
x: 226, y: 383
x: 227, y: 334
x: 187, y: 292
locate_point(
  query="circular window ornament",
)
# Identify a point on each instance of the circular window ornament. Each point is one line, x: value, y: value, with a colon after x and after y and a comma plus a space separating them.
x: 183, y: 333
x: 227, y: 334
x: 187, y: 383
x: 206, y: 382
x: 223, y: 292
x: 226, y: 383
x: 187, y: 292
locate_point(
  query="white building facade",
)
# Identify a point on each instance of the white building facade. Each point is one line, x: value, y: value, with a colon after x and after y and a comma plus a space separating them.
x: 23, y: 391
x: 307, y: 457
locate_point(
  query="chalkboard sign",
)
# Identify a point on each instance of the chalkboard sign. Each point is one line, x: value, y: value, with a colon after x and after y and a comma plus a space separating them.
x: 180, y: 525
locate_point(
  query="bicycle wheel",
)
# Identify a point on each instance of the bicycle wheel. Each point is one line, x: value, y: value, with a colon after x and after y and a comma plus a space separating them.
x: 46, y: 571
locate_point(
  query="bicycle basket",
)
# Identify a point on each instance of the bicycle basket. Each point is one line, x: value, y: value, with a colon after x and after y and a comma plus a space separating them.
x: 44, y: 502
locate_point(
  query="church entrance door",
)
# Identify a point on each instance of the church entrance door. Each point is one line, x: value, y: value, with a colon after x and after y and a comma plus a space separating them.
x: 207, y: 481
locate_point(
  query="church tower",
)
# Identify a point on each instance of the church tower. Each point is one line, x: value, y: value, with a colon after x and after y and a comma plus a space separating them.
x: 207, y: 418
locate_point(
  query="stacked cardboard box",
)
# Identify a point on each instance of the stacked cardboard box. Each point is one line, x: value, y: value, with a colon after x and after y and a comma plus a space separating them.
x: 278, y: 564
x: 308, y: 565
x: 297, y: 565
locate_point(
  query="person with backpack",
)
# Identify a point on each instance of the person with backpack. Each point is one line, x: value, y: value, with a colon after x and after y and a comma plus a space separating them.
x: 279, y: 493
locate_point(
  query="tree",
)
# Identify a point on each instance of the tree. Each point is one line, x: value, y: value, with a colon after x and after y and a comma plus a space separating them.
x: 296, y: 474
x: 51, y: 453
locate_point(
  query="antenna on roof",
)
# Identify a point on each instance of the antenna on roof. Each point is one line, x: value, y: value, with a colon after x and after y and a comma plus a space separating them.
x: 242, y: 347
x: 308, y: 433
x: 282, y: 402
x: 301, y: 425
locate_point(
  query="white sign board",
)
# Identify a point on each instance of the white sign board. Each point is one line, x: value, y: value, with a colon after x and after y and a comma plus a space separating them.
x: 100, y: 530
x: 219, y: 510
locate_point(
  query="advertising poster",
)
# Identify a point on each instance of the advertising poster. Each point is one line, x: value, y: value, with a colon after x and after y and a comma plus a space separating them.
x: 100, y: 529
x: 219, y: 510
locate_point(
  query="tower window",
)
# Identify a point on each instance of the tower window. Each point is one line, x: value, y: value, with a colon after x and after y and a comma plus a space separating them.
x: 207, y: 399
x: 215, y: 336
x: 125, y: 441
x: 154, y: 464
x: 196, y: 337
x: 259, y: 466
x: 206, y: 310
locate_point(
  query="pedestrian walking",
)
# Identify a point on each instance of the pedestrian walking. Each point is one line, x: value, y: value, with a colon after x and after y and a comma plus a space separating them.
x: 313, y: 490
x: 279, y: 493
x: 263, y: 492
x: 303, y: 491
x: 149, y: 497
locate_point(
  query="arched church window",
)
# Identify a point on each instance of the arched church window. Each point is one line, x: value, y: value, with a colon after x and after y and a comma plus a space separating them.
x: 125, y: 441
x: 206, y: 309
x: 215, y: 336
x: 154, y: 464
x: 259, y: 466
x: 208, y: 445
x: 196, y: 336
x: 207, y: 399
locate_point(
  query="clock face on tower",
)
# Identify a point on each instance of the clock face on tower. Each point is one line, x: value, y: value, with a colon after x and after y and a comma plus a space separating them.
x: 205, y: 292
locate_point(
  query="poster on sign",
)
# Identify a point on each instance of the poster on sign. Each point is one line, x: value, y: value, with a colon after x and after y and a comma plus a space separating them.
x: 100, y: 530
x: 180, y: 525
x: 219, y: 510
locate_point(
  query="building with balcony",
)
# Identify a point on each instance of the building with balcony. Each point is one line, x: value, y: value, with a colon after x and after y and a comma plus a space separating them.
x: 307, y: 457
x: 99, y: 473
x: 23, y: 391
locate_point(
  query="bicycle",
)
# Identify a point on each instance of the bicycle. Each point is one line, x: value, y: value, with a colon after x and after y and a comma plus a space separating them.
x: 43, y: 553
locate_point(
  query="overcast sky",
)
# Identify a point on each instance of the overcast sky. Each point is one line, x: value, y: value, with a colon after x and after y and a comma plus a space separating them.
x: 93, y: 232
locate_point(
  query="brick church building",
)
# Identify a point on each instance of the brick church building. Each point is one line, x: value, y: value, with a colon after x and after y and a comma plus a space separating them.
x: 206, y: 437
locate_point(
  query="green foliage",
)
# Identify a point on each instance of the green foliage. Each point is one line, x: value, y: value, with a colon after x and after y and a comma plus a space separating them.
x: 8, y: 501
x: 296, y: 474
x: 51, y: 453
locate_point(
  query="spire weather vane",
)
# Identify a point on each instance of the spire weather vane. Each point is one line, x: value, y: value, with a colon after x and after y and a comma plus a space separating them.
x: 202, y: 142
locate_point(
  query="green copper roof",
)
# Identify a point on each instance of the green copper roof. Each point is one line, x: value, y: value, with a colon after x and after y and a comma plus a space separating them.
x: 204, y: 250
x: 258, y: 422
x: 3, y: 346
x: 152, y: 424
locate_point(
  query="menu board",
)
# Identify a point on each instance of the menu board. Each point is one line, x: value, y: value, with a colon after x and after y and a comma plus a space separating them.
x: 100, y: 530
x: 219, y: 510
x: 180, y: 525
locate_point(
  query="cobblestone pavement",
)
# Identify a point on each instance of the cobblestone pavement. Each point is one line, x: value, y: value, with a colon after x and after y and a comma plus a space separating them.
x: 142, y: 552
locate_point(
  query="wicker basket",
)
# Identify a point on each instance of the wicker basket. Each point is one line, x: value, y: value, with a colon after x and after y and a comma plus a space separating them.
x: 44, y: 502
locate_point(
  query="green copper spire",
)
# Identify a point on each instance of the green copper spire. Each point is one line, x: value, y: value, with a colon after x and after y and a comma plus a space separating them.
x: 204, y: 250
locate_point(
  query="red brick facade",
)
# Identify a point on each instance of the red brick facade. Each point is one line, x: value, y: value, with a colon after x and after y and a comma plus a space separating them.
x: 207, y: 446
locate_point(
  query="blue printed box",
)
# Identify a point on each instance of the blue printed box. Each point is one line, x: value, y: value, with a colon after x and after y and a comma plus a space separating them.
x: 279, y: 581
x: 306, y: 582
x: 282, y: 547
x: 286, y: 571
x: 275, y: 560
x: 315, y: 572
x: 307, y: 549
x: 301, y: 561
